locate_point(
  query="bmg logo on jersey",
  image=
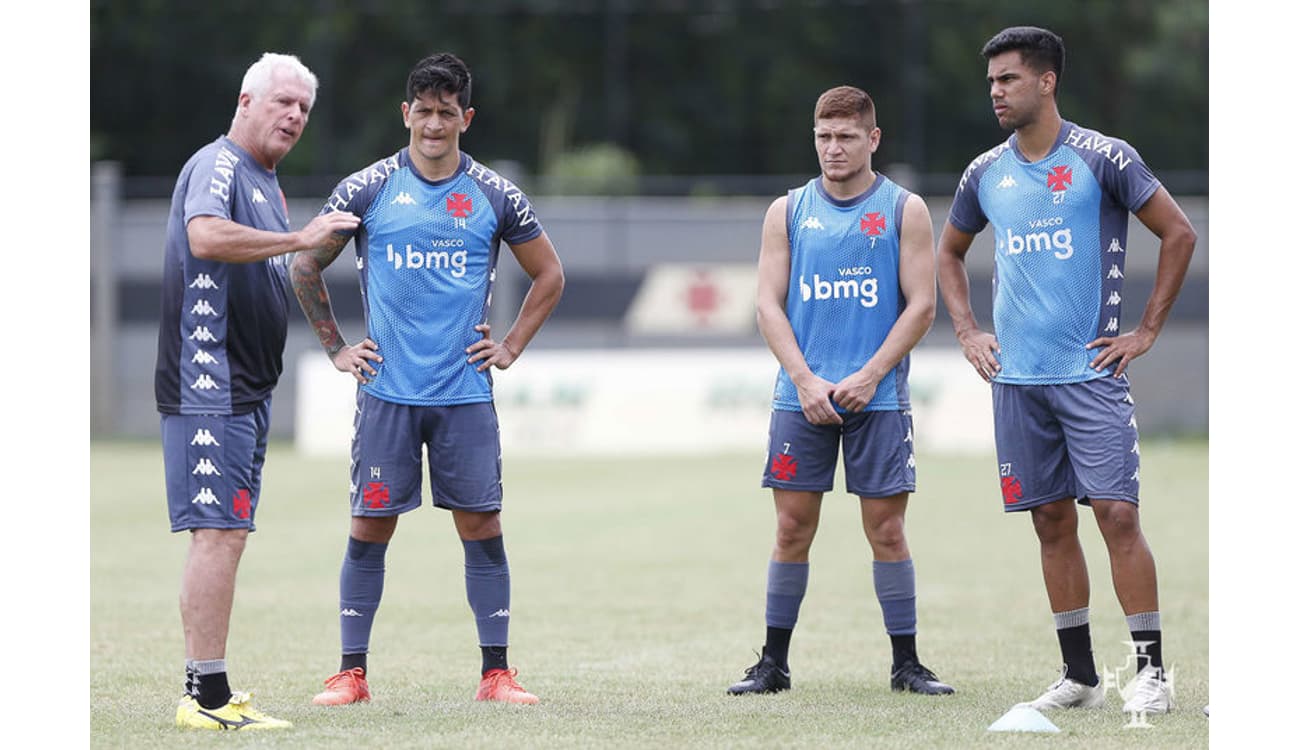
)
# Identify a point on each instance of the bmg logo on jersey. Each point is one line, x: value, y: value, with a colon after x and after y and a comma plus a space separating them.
x: 863, y: 289
x: 1060, y: 241
x: 456, y: 261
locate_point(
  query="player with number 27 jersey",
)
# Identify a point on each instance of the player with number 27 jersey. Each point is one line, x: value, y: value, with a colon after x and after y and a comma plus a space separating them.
x: 1060, y: 226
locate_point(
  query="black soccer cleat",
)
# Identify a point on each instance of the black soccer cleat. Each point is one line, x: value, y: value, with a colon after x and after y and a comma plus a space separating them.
x: 914, y: 678
x: 764, y: 677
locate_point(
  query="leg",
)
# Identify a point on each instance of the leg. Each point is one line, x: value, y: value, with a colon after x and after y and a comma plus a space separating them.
x: 895, y: 583
x: 361, y: 587
x: 892, y: 572
x: 1133, y: 572
x: 798, y: 514
x: 1132, y: 566
x: 487, y: 582
x: 487, y: 587
x: 1065, y: 574
x: 208, y: 590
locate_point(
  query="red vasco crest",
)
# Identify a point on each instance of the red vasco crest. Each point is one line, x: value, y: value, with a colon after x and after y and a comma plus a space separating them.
x: 784, y: 467
x: 375, y: 495
x: 873, y: 223
x: 1060, y: 178
x: 242, y: 504
x: 1011, y: 491
x: 459, y: 205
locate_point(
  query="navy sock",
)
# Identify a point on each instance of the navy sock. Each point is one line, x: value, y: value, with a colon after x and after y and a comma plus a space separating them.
x: 361, y: 586
x: 1075, y: 637
x: 494, y: 657
x: 1145, y: 629
x: 487, y: 586
x: 353, y: 661
x: 786, y: 584
x: 211, y: 686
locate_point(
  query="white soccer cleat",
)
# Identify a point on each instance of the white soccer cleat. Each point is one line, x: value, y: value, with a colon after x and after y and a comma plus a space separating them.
x: 1148, y: 693
x: 1067, y: 693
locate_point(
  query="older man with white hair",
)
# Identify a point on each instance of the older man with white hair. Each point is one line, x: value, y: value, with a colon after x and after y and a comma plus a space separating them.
x: 221, y: 339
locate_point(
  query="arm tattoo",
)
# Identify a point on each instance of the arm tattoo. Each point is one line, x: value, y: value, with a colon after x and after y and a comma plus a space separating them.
x: 313, y: 296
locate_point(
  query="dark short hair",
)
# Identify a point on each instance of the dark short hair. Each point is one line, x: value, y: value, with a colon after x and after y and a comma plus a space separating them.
x: 443, y: 73
x: 846, y: 101
x: 1040, y: 49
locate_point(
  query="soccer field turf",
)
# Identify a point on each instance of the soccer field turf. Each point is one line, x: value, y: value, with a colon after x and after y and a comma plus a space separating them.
x: 638, y: 593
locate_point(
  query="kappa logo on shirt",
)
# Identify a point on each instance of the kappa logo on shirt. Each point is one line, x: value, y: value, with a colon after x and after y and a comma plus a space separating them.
x: 204, y: 382
x: 1007, y: 182
x: 812, y: 222
x: 403, y: 199
x: 258, y: 197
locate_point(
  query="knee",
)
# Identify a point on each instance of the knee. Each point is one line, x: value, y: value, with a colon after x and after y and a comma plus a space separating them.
x: 1055, y: 523
x: 794, y: 533
x: 887, y: 534
x: 220, y: 541
x: 1118, y: 521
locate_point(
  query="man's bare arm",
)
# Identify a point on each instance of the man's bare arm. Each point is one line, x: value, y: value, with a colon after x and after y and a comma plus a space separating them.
x: 216, y: 238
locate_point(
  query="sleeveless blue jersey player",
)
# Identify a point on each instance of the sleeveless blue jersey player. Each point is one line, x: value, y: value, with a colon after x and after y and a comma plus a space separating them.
x: 1061, y: 227
x: 223, y: 325
x: 844, y: 296
x: 427, y: 252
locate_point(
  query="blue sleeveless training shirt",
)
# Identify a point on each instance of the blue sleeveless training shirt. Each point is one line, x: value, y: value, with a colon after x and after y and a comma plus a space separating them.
x: 844, y: 296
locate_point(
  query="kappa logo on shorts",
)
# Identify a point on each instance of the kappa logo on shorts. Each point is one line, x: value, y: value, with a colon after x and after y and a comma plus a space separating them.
x: 784, y: 467
x: 375, y: 495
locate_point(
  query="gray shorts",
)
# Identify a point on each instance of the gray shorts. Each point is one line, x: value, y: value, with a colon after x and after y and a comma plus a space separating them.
x: 1077, y: 440
x: 213, y: 467
x: 878, y: 456
x: 389, y: 443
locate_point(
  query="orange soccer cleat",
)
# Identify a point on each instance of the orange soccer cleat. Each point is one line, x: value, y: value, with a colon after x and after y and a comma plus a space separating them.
x: 348, y: 686
x: 500, y: 685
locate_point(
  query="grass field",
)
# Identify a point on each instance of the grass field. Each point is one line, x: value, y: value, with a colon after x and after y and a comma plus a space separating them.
x: 638, y: 588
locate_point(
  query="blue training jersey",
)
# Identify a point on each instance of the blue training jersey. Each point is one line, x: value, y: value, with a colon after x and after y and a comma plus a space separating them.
x: 427, y: 254
x: 222, y: 329
x: 843, y: 296
x: 1060, y: 229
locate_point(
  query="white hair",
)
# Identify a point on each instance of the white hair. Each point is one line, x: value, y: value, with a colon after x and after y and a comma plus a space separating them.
x: 257, y: 80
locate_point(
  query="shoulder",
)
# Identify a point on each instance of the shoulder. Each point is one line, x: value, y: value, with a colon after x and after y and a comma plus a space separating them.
x: 489, y: 180
x: 1099, y: 149
x: 981, y: 162
x: 377, y: 171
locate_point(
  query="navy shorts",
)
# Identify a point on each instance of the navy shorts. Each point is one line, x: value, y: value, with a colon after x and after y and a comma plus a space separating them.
x: 463, y: 444
x: 213, y: 467
x: 1077, y: 440
x: 878, y: 456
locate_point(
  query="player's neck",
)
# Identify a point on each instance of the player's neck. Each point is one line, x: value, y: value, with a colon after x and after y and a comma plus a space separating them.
x: 852, y: 187
x: 435, y: 169
x: 1036, y: 139
x: 242, y: 140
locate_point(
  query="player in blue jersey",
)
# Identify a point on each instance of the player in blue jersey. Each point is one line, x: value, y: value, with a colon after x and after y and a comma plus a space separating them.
x: 1058, y: 196
x: 432, y: 223
x: 845, y: 291
x: 220, y: 341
